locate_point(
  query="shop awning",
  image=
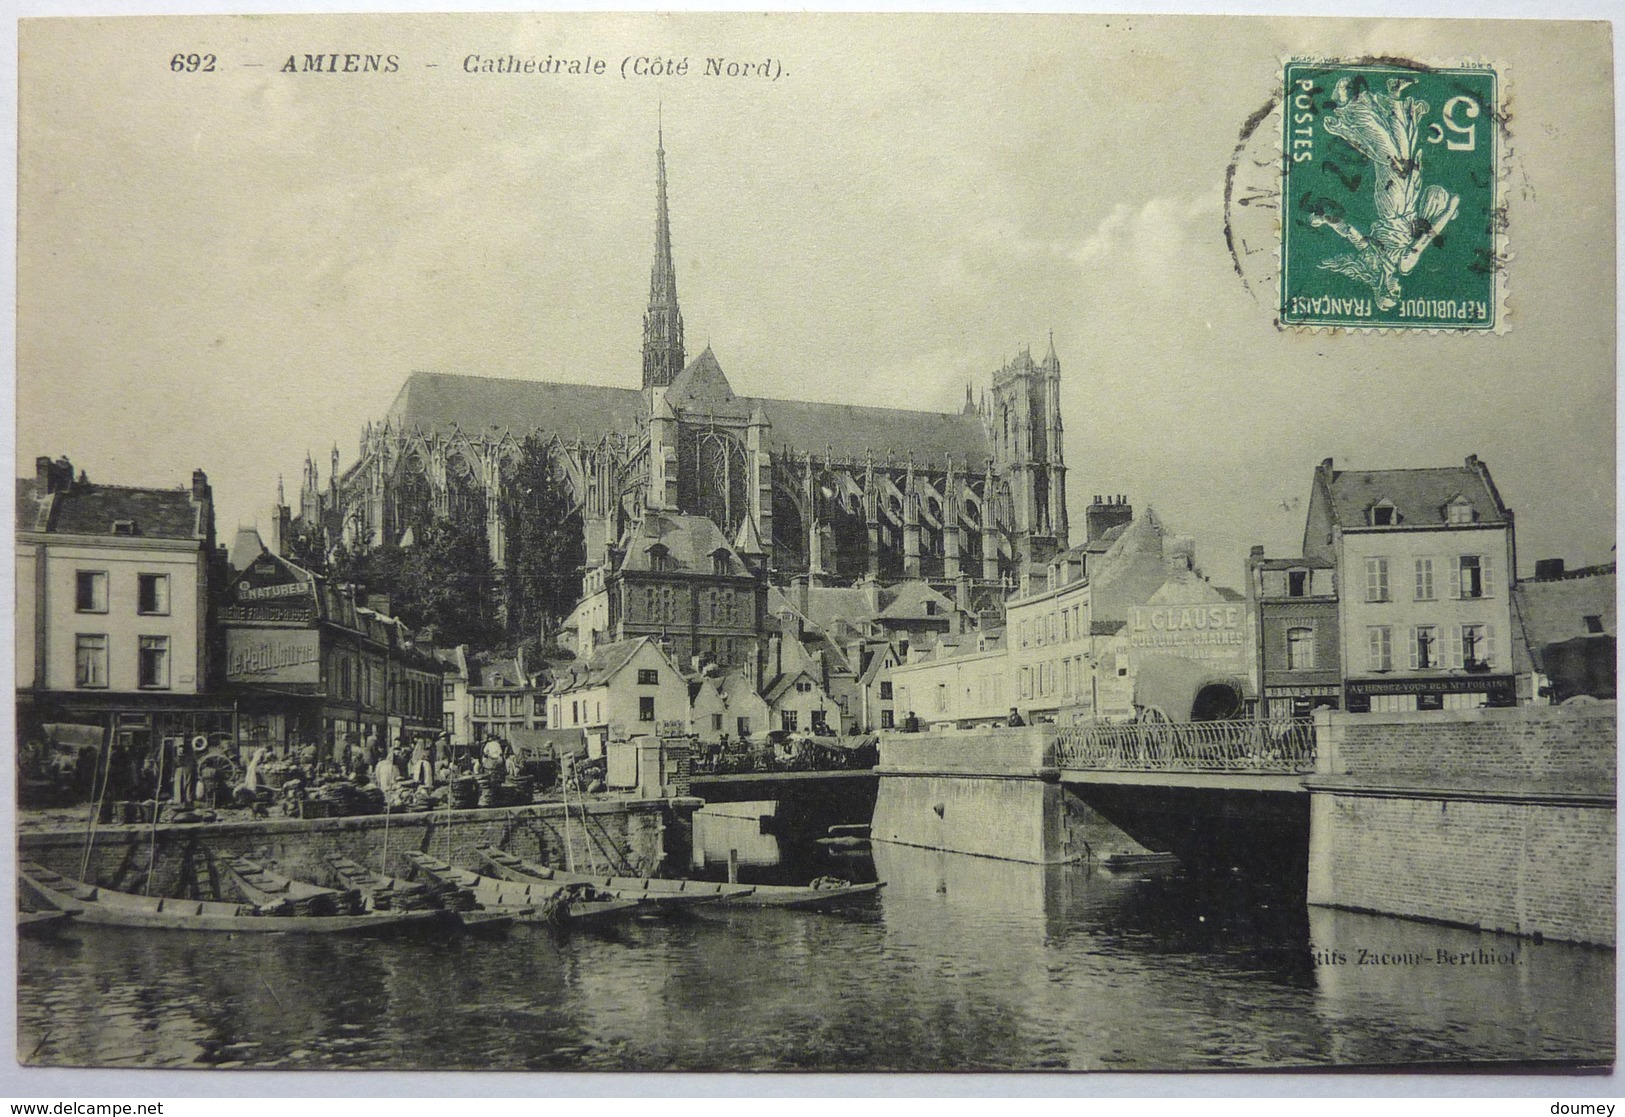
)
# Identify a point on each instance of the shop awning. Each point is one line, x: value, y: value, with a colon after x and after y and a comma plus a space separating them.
x: 1170, y: 686
x: 65, y: 735
x: 548, y: 744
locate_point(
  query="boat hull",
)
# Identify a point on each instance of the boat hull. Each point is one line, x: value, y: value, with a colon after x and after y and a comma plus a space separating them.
x: 104, y: 907
x: 647, y: 890
x: 530, y: 902
x: 513, y: 868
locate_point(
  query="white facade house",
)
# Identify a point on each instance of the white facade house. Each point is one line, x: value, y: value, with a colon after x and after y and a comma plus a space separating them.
x: 967, y: 683
x: 113, y: 586
x: 727, y: 707
x: 626, y: 689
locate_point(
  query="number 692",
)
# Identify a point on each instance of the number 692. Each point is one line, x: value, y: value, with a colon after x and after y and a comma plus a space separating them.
x: 192, y: 64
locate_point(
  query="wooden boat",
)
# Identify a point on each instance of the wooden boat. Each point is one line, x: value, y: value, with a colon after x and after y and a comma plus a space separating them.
x: 269, y: 890
x: 845, y: 843
x: 649, y: 890
x: 92, y: 904
x: 1123, y: 861
x: 809, y: 898
x: 392, y: 893
x: 820, y: 895
x: 41, y: 924
x: 540, y: 902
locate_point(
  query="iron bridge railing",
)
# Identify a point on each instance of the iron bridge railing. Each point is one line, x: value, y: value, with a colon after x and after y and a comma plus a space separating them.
x: 1279, y: 746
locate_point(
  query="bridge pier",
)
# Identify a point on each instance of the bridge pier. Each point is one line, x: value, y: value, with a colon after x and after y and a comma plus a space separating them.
x: 989, y: 793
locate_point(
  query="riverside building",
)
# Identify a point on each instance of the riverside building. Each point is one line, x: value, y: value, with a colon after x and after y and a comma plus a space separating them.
x: 1422, y: 564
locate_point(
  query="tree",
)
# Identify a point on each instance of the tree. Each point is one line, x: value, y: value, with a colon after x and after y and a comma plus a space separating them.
x: 447, y: 580
x: 305, y: 550
x: 444, y: 581
x: 546, y: 553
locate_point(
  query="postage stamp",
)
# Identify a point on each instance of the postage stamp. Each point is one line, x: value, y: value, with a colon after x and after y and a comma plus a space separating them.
x: 1389, y: 179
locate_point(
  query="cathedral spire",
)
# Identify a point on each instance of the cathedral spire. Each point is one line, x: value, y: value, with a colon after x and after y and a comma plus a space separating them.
x: 663, y: 322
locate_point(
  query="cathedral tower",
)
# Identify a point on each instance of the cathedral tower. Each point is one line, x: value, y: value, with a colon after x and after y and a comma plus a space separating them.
x: 662, y: 322
x: 1024, y: 420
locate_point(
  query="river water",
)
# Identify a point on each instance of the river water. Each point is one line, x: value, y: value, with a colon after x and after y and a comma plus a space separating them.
x: 959, y: 963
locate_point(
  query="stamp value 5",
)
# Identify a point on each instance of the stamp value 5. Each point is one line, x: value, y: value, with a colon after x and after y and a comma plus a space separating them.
x: 1389, y: 214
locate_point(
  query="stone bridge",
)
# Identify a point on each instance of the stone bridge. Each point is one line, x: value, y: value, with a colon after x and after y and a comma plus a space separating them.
x: 1496, y: 818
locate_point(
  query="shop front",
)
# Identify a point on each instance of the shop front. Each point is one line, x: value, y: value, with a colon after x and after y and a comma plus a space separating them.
x: 1455, y: 692
x: 1301, y: 700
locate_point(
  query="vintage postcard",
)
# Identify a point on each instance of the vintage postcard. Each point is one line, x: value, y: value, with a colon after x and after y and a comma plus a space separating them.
x: 813, y: 542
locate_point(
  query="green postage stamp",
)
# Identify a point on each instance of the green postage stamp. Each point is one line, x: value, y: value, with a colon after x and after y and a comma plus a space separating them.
x: 1389, y: 217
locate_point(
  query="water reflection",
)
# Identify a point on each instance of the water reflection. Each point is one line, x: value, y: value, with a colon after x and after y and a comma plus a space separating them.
x: 959, y: 963
x: 1456, y: 993
x: 721, y: 827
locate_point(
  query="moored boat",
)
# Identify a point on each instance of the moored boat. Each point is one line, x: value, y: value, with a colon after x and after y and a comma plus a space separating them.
x: 90, y: 903
x: 820, y: 895
x: 1130, y: 861
x: 541, y: 902
x: 41, y: 924
x: 832, y: 892
x: 383, y: 892
x: 270, y: 890
x: 845, y: 843
x: 649, y: 890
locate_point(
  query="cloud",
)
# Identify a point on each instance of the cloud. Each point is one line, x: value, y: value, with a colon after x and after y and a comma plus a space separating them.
x: 1153, y: 242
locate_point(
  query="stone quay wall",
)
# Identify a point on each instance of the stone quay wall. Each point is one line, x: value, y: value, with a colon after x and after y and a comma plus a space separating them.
x: 1500, y: 819
x: 625, y: 835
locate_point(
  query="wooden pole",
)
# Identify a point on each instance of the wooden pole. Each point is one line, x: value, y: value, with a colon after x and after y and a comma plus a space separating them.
x: 733, y: 866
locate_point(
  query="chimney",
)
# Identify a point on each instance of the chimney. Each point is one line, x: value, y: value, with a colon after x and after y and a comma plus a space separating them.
x: 52, y: 476
x: 1103, y: 515
x: 200, y: 485
x: 281, y: 528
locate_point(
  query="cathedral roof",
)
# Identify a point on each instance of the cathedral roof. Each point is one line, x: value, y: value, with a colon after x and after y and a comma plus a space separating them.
x: 437, y: 402
x: 703, y: 386
x: 852, y: 431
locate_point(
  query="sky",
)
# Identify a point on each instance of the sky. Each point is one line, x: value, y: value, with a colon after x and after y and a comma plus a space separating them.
x: 229, y: 270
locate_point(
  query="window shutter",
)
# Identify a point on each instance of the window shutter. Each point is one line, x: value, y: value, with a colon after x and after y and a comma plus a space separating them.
x: 1455, y: 645
x: 1414, y: 662
x: 1486, y: 578
x: 1455, y: 577
x: 1488, y: 654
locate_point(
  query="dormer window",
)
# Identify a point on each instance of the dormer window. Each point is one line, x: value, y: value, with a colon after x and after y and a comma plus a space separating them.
x: 1459, y: 511
x: 660, y: 558
x: 125, y: 527
x: 1297, y: 583
x: 719, y: 561
x: 1384, y: 514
